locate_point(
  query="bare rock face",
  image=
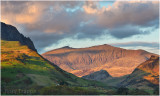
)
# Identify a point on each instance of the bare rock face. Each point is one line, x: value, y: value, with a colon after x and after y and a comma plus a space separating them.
x: 98, y: 76
x: 10, y: 33
x: 145, y: 76
x: 84, y: 61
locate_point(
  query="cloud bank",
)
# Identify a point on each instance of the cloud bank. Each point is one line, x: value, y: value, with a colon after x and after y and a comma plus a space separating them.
x: 148, y: 46
x: 47, y: 22
x: 134, y: 44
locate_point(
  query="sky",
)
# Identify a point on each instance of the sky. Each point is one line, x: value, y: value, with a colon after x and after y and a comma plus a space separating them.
x: 127, y: 24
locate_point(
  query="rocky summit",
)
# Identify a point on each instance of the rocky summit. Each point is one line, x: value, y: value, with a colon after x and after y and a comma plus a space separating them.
x: 10, y: 33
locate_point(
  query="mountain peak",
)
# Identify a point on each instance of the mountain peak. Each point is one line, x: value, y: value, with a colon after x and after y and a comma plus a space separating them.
x: 10, y: 33
x: 104, y: 45
x: 67, y: 47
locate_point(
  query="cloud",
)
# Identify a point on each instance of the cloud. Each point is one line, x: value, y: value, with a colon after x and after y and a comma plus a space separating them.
x: 44, y: 22
x: 126, y: 31
x: 154, y: 45
x: 91, y: 7
x: 51, y: 21
x: 140, y: 13
x: 20, y: 12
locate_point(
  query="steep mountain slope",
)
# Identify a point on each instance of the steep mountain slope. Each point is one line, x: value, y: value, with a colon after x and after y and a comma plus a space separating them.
x: 84, y: 61
x: 10, y: 33
x: 145, y: 76
x: 23, y: 69
x: 99, y: 75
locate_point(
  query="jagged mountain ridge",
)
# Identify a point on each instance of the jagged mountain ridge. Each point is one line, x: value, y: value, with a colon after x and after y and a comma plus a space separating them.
x: 10, y: 33
x: 84, y: 61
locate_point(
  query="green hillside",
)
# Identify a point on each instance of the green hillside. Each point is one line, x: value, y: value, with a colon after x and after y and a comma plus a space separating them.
x: 23, y: 68
x: 24, y: 71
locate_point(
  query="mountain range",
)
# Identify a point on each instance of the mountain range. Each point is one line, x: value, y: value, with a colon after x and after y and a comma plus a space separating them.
x: 84, y: 61
x: 104, y: 69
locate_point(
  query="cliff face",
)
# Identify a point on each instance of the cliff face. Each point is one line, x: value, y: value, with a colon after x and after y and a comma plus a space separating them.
x: 10, y: 33
x: 146, y: 75
x: 84, y: 61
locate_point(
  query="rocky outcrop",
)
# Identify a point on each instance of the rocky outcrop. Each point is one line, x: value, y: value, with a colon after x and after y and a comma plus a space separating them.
x: 151, y: 65
x: 145, y: 76
x: 98, y: 76
x: 10, y: 33
x: 84, y: 61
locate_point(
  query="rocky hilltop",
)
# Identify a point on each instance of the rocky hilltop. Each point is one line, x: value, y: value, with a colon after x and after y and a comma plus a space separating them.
x: 84, y: 61
x: 98, y: 76
x: 10, y: 33
x: 151, y: 65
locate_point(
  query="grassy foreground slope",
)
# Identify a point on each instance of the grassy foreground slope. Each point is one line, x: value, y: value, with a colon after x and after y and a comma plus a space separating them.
x: 23, y: 68
x: 24, y: 71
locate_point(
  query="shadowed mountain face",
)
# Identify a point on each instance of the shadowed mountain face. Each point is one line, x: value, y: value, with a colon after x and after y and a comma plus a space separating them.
x: 145, y: 76
x: 99, y: 75
x: 10, y: 33
x: 84, y: 61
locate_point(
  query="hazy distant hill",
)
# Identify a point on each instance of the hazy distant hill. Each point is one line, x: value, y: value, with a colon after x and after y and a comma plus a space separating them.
x: 84, y: 61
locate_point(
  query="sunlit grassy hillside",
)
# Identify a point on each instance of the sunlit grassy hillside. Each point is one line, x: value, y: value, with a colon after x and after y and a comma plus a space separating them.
x: 23, y: 68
